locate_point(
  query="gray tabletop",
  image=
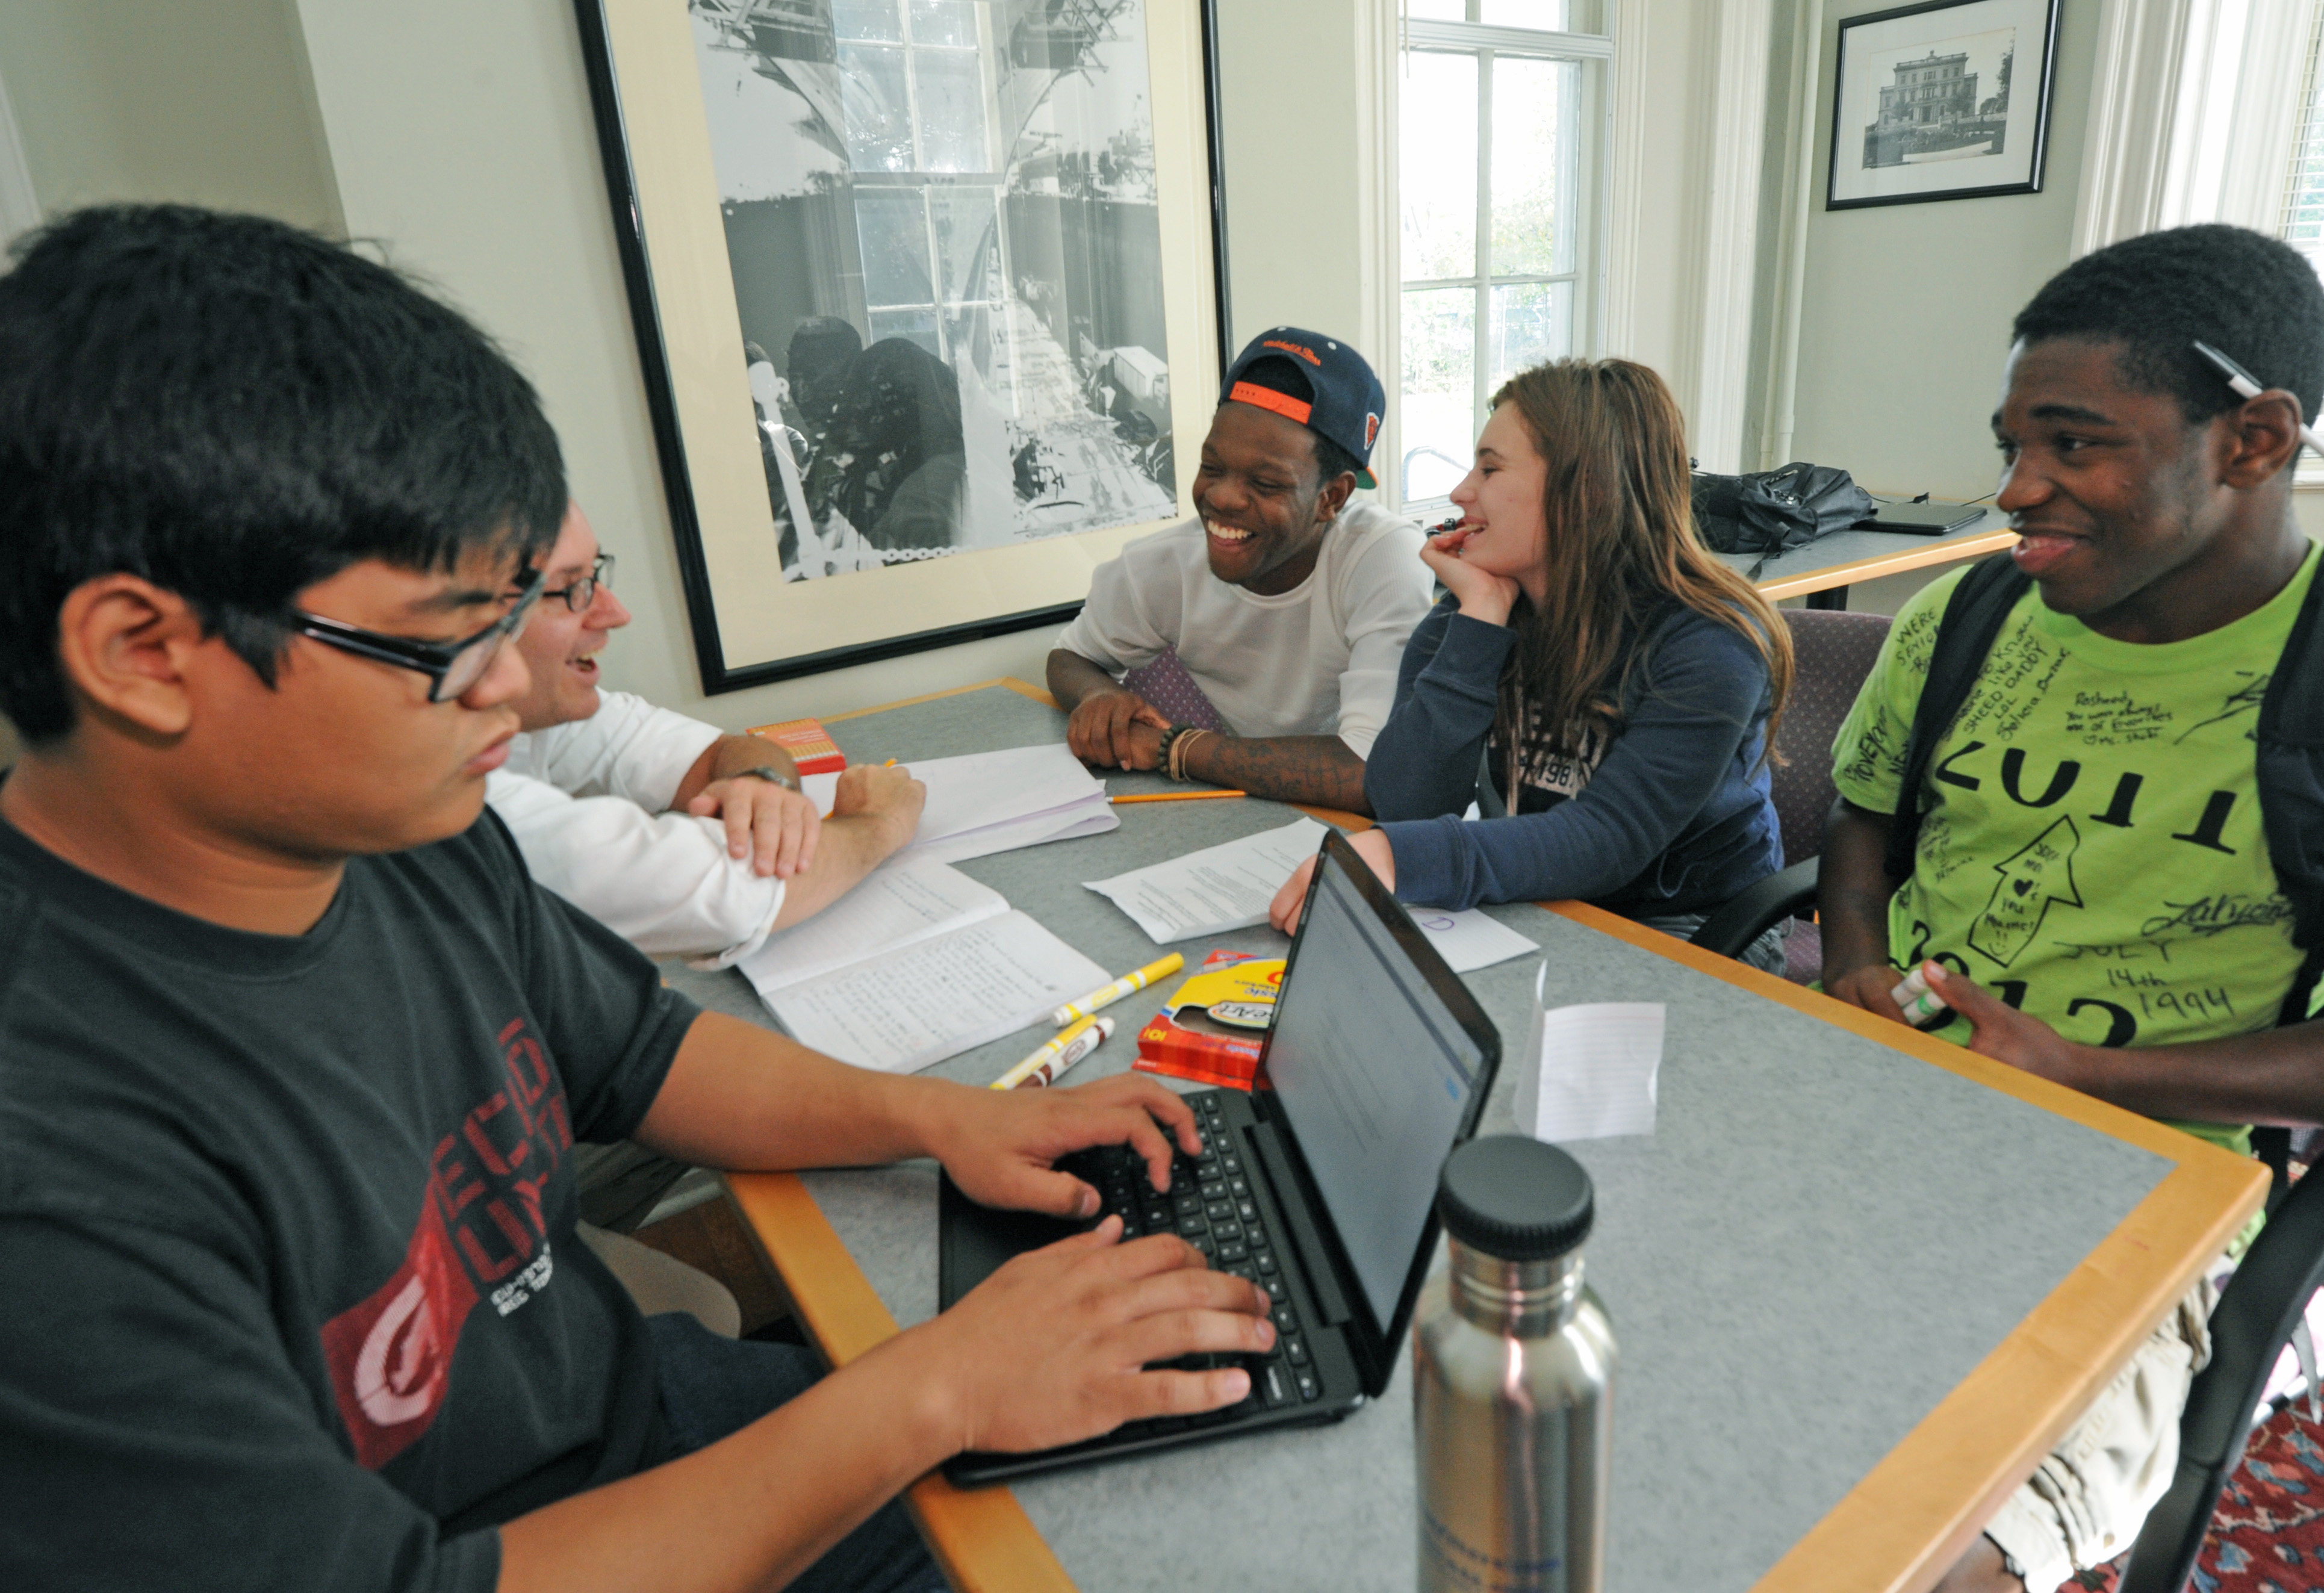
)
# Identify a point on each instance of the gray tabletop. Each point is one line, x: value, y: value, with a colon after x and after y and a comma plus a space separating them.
x: 1821, y: 1238
x: 1853, y: 547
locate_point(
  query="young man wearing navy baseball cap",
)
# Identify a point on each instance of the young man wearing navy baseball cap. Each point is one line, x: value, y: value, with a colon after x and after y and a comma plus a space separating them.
x: 1287, y: 604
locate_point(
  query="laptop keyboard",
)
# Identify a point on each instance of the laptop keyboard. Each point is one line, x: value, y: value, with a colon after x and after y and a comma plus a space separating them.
x: 1212, y: 1206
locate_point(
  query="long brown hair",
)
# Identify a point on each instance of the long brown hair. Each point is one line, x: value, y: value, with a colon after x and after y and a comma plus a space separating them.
x: 1621, y: 545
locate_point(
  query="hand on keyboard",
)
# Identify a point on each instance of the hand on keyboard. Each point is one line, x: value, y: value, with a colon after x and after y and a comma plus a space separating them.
x: 1212, y: 1207
x: 1005, y: 1147
x: 1063, y: 1344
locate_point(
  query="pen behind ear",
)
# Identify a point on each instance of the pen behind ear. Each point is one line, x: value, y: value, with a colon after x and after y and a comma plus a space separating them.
x: 2247, y: 386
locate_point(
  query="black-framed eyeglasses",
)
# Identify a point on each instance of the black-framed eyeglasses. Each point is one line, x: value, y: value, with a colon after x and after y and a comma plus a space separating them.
x: 453, y: 667
x: 579, y: 595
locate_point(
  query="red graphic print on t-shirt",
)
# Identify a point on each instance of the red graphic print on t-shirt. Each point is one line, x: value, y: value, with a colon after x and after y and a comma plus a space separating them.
x: 481, y: 1234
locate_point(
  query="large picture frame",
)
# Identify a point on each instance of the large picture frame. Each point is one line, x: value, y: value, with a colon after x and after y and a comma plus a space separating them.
x: 1948, y: 99
x: 925, y: 295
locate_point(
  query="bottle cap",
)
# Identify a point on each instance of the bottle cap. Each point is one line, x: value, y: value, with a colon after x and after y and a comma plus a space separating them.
x: 1514, y: 1198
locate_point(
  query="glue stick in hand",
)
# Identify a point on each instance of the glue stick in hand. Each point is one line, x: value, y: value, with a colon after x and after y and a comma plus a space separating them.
x: 1918, y: 1003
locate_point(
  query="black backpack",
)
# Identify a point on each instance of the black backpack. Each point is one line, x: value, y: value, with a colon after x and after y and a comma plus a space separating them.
x: 1770, y: 511
x: 2291, y: 752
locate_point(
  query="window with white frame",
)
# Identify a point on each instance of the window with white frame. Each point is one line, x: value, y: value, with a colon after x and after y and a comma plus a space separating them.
x: 1501, y: 114
x: 2302, y: 224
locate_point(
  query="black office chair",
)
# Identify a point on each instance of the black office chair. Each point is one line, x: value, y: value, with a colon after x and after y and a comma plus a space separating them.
x: 1832, y: 651
x: 2261, y: 1307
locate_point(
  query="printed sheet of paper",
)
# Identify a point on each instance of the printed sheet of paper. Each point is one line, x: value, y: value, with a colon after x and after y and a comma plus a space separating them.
x: 913, y: 1007
x: 903, y: 902
x: 1469, y: 940
x: 987, y: 802
x: 1590, y: 1072
x: 1218, y: 888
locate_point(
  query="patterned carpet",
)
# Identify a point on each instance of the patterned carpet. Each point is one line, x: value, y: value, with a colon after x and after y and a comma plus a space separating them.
x: 2267, y: 1535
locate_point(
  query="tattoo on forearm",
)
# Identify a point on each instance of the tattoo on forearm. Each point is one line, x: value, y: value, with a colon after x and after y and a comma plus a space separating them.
x: 1320, y: 769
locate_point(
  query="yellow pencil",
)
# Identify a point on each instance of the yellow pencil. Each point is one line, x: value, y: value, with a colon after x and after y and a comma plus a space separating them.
x: 1161, y: 969
x: 1177, y: 795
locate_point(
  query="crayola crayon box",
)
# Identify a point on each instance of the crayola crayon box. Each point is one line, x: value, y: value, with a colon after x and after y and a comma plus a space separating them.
x: 1211, y: 1028
x: 808, y: 743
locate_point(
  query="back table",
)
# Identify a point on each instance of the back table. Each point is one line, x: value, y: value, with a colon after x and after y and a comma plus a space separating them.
x: 1856, y: 1294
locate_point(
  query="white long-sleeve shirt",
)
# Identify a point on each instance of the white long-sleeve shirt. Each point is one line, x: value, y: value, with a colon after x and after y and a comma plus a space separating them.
x: 1318, y: 660
x: 585, y: 801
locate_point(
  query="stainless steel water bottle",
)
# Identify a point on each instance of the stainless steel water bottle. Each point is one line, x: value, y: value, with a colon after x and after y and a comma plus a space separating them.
x: 1513, y: 1370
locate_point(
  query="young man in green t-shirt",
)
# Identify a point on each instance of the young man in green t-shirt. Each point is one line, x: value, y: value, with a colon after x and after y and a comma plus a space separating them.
x: 2091, y: 891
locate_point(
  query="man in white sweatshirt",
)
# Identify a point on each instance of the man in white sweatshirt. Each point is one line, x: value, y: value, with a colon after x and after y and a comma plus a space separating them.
x: 1287, y: 604
x: 685, y: 841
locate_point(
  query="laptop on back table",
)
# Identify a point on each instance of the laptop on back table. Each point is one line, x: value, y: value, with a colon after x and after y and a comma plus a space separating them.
x: 1320, y: 1185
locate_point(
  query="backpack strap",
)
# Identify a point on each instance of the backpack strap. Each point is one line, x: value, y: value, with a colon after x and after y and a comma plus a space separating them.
x: 2290, y: 754
x: 1972, y: 619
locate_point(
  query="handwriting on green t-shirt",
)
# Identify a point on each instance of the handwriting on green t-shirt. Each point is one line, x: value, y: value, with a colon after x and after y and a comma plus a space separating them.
x: 2093, y: 850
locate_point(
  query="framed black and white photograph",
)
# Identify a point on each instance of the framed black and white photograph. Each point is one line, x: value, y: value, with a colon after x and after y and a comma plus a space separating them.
x: 1944, y: 100
x: 923, y: 291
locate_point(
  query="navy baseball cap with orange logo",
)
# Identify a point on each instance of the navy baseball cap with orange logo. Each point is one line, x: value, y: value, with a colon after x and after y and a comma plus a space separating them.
x: 1342, y: 400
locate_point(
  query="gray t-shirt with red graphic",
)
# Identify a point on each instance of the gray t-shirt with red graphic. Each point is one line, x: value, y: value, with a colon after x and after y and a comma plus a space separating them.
x: 287, y: 1225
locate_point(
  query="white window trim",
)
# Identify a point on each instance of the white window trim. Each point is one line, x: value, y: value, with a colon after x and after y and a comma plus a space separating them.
x: 2156, y: 144
x: 20, y: 207
x: 2194, y: 106
x: 1713, y: 385
x: 1388, y: 33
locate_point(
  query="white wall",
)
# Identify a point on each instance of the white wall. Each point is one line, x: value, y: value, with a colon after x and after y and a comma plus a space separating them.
x: 1287, y: 115
x: 158, y: 100
x: 1909, y: 306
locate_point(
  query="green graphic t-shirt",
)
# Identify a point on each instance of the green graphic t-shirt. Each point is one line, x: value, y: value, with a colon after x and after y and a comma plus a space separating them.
x: 2093, y: 850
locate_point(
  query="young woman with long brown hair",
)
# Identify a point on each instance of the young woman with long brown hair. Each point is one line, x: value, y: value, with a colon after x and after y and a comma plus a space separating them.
x: 1620, y: 682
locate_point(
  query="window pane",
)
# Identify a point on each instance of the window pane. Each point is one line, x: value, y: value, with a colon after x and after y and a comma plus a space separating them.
x: 2303, y: 203
x: 914, y: 326
x: 952, y: 112
x: 1558, y: 16
x: 943, y: 22
x: 968, y: 250
x: 894, y: 233
x: 1437, y: 166
x: 877, y: 109
x: 1439, y: 396
x: 1533, y: 165
x: 1533, y: 322
x: 1438, y: 11
x: 866, y: 19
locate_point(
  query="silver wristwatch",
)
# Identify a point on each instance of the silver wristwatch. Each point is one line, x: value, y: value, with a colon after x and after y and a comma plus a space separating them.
x: 788, y: 782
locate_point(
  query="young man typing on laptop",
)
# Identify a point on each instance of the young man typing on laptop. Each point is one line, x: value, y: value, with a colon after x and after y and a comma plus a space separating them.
x: 297, y: 1054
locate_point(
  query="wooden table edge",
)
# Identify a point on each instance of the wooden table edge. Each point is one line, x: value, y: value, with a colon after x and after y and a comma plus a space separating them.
x: 1935, y: 551
x: 1895, y: 1531
x: 982, y: 1537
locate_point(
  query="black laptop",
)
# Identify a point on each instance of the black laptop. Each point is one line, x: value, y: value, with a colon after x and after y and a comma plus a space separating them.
x: 1321, y: 1188
x: 1923, y: 518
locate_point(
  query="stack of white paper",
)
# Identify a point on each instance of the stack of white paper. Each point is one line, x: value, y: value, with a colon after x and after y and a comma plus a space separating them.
x: 902, y: 903
x: 1215, y: 889
x: 918, y: 963
x: 989, y: 802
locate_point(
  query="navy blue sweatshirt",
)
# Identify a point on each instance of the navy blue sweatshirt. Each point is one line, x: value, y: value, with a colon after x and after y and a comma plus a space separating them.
x: 1675, y: 818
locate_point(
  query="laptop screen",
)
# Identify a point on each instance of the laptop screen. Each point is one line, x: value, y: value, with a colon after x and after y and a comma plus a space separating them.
x: 1374, y: 1074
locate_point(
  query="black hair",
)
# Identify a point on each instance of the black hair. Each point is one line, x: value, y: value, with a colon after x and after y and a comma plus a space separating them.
x: 2252, y: 299
x: 235, y: 409
x: 1278, y: 374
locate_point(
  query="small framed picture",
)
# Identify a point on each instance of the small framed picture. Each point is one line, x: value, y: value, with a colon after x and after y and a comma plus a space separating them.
x: 1948, y: 99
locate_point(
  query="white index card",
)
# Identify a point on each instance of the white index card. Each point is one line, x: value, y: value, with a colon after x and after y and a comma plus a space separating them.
x: 1590, y: 1071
